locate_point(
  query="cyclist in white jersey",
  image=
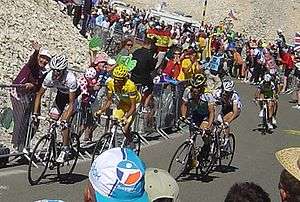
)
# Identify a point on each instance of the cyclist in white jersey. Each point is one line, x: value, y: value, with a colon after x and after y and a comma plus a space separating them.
x: 64, y: 104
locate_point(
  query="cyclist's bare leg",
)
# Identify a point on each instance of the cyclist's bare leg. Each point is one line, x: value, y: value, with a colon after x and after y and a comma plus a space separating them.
x: 271, y: 110
x: 229, y: 118
x: 148, y: 100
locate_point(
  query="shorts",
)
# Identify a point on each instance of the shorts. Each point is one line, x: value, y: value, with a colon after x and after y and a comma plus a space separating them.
x: 62, y: 100
x: 287, y: 72
x: 198, y: 118
x: 121, y: 111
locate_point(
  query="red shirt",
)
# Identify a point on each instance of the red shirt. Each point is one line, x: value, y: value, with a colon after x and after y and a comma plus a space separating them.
x: 287, y: 60
x: 172, y: 69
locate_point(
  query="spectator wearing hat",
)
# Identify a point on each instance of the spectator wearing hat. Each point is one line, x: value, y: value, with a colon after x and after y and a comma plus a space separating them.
x: 119, y: 175
x: 190, y: 66
x: 289, y: 183
x: 30, y: 78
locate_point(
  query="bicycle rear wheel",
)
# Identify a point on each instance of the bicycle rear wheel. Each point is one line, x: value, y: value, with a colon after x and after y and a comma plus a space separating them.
x: 180, y: 159
x: 66, y: 168
x: 39, y: 160
x: 102, y: 145
x: 227, y: 152
x: 207, y: 157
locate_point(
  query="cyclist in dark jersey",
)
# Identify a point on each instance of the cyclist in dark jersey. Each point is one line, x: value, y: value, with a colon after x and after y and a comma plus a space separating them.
x: 267, y: 90
x: 201, y: 106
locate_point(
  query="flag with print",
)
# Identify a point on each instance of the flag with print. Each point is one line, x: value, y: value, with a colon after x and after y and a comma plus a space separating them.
x: 297, y: 41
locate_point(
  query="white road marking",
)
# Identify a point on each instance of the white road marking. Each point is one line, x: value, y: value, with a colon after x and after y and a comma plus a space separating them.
x: 12, y: 172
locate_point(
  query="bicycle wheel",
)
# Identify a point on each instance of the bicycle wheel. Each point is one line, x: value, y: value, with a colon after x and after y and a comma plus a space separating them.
x: 227, y: 152
x: 179, y: 160
x: 265, y: 121
x: 66, y: 168
x: 102, y: 145
x: 136, y: 141
x: 207, y: 156
x: 39, y: 160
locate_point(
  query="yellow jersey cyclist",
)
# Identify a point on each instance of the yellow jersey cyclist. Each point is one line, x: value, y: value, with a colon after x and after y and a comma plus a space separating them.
x: 267, y: 90
x: 64, y: 104
x: 201, y: 106
x: 125, y: 92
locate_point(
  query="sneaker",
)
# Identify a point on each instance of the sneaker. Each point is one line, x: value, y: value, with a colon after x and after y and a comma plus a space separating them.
x: 270, y: 126
x: 296, y: 107
x: 261, y: 113
x: 274, y: 122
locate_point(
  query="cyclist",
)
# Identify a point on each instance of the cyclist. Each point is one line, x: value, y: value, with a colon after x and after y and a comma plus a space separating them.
x: 64, y: 104
x: 231, y: 104
x: 89, y: 87
x: 267, y: 90
x: 127, y: 95
x: 201, y: 107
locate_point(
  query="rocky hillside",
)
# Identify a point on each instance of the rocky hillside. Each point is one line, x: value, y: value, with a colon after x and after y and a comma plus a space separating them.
x: 255, y: 17
x: 40, y: 20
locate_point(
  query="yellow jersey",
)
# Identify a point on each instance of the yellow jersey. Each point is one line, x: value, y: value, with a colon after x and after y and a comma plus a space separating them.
x: 129, y: 91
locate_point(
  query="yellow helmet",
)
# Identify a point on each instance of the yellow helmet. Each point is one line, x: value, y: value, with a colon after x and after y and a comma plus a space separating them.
x: 120, y: 72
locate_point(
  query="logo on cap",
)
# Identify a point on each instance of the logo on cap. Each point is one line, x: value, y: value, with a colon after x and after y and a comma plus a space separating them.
x: 128, y: 173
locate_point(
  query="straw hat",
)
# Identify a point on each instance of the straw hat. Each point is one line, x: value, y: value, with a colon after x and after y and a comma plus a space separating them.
x: 290, y: 160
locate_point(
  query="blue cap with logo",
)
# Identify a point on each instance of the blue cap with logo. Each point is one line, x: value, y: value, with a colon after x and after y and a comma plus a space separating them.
x: 118, y: 175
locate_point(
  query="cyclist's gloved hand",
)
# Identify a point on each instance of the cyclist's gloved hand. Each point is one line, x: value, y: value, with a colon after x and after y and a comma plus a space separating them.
x: 34, y: 118
x: 64, y: 124
x: 182, y: 118
x: 98, y: 113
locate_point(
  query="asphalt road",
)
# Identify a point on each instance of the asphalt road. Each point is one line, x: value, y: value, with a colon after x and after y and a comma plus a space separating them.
x: 254, y: 160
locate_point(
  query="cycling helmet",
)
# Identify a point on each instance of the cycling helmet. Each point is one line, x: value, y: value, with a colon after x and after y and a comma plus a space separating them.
x: 59, y: 62
x: 90, y: 73
x: 228, y: 85
x: 267, y: 77
x: 198, y: 80
x: 120, y: 72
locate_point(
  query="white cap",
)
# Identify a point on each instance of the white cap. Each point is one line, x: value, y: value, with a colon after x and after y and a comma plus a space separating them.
x: 111, y: 61
x: 45, y: 52
x: 160, y: 184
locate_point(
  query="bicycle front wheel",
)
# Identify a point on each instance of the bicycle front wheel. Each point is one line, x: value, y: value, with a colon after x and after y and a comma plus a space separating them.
x: 39, y: 160
x: 103, y: 144
x: 179, y: 160
x: 227, y: 152
x: 66, y: 168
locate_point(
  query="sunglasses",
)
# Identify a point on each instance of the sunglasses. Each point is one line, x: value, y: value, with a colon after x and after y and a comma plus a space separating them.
x: 129, y: 44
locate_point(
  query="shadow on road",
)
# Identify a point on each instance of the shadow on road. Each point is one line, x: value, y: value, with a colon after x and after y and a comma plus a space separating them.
x: 263, y: 131
x: 225, y: 169
x: 72, y: 179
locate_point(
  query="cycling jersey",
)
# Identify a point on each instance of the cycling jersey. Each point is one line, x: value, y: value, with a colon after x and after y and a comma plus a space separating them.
x: 268, y: 89
x: 128, y: 91
x: 228, y: 102
x: 198, y: 106
x: 68, y: 84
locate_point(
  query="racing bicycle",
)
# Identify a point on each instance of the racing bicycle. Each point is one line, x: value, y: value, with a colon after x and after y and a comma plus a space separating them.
x: 115, y: 138
x: 46, y: 151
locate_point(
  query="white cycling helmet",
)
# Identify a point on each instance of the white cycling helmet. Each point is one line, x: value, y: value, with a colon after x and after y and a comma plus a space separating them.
x: 267, y: 77
x: 90, y: 73
x: 228, y: 85
x: 59, y: 62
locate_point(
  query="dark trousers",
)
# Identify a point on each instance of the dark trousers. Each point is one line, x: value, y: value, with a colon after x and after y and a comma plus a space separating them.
x: 77, y: 15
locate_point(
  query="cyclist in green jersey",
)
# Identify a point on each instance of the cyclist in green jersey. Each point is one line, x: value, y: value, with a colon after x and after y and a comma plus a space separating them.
x: 267, y: 90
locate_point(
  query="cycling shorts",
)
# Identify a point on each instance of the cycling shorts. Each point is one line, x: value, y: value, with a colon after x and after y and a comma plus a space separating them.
x: 121, y: 111
x: 198, y: 118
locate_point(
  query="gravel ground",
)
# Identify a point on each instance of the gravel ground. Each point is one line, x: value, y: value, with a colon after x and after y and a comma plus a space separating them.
x: 255, y: 17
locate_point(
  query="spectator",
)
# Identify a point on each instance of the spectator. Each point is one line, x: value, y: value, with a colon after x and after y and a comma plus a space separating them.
x: 173, y: 67
x: 105, y: 23
x: 238, y: 64
x: 288, y: 65
x: 297, y: 74
x: 247, y: 192
x: 289, y: 183
x: 77, y: 12
x: 190, y: 66
x: 22, y: 98
x: 86, y: 11
x: 141, y: 74
x: 116, y: 175
x: 126, y: 47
